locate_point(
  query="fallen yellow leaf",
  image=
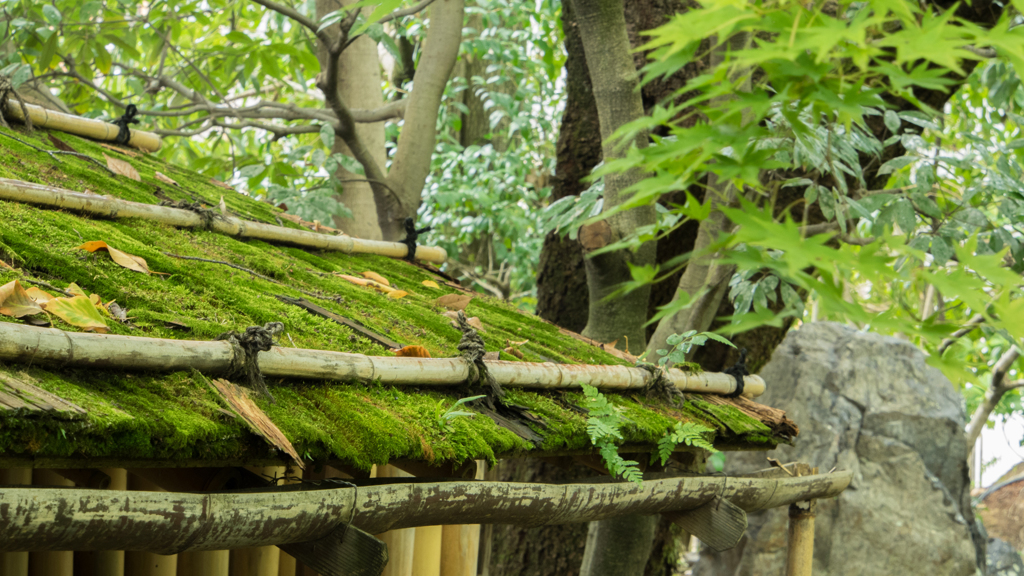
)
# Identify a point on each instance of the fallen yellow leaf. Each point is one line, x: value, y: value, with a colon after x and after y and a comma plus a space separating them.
x: 78, y: 311
x: 397, y: 294
x: 123, y: 168
x: 129, y: 261
x: 454, y: 301
x: 76, y: 289
x: 39, y: 296
x: 15, y: 301
x: 430, y: 284
x: 376, y: 277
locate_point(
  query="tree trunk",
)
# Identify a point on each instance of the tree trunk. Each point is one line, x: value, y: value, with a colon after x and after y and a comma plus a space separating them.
x: 359, y: 84
x: 602, y: 28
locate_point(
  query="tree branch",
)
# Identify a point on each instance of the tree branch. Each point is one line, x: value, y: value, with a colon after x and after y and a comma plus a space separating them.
x: 993, y: 395
x: 293, y: 14
x: 969, y: 326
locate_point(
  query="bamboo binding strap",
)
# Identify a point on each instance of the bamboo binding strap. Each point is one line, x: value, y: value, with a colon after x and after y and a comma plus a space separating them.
x: 738, y: 371
x: 208, y: 215
x: 246, y: 348
x: 124, y: 133
x: 661, y: 385
x: 472, y: 347
x: 411, y: 235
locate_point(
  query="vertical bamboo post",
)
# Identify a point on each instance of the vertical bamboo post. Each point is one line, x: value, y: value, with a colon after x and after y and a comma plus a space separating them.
x: 100, y: 562
x: 204, y: 563
x: 427, y: 551
x: 400, y: 542
x: 460, y: 543
x: 263, y: 560
x: 801, y: 539
x: 50, y: 563
x: 286, y: 565
x: 148, y: 563
x: 15, y: 563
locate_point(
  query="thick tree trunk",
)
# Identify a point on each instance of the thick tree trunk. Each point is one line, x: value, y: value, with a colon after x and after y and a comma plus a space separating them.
x: 602, y: 28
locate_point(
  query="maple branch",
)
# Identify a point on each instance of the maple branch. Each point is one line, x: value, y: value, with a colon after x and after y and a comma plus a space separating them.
x: 405, y: 11
x: 970, y: 325
x: 993, y: 395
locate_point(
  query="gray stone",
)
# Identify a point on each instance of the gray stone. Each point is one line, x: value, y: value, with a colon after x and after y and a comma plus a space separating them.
x: 870, y: 404
x: 1003, y: 560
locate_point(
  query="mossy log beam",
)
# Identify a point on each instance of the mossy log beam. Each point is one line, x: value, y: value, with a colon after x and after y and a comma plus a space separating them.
x: 27, y: 192
x: 88, y: 127
x: 35, y: 345
x: 39, y: 518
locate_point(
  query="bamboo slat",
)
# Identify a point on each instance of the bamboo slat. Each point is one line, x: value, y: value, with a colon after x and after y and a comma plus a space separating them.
x: 107, y: 351
x: 18, y: 191
x: 88, y: 127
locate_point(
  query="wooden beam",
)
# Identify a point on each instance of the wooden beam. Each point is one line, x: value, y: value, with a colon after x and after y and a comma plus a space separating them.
x: 168, y: 523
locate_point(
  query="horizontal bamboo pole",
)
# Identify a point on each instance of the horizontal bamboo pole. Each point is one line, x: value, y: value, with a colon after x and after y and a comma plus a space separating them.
x: 88, y: 127
x: 171, y: 522
x: 18, y: 191
x: 108, y: 351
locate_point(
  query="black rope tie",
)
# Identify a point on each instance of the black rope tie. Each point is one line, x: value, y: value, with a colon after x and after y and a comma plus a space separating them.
x: 738, y: 371
x: 246, y: 348
x: 7, y: 91
x: 411, y: 234
x: 472, y: 347
x: 124, y: 134
x: 208, y: 215
x: 661, y: 385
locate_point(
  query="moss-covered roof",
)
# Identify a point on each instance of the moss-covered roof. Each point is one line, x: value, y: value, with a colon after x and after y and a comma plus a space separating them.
x: 177, y: 418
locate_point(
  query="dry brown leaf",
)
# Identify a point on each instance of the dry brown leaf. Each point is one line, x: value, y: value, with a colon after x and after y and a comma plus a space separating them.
x: 454, y: 301
x: 354, y: 280
x: 16, y: 302
x: 492, y: 355
x: 60, y: 144
x: 515, y: 352
x: 292, y: 218
x: 125, y: 151
x: 376, y: 277
x: 78, y: 311
x: 39, y: 296
x: 450, y: 314
x: 163, y: 178
x: 476, y: 323
x: 397, y: 294
x: 216, y: 182
x: 412, y: 352
x: 123, y: 168
x: 6, y: 265
x: 238, y: 399
x: 129, y: 261
x: 430, y: 284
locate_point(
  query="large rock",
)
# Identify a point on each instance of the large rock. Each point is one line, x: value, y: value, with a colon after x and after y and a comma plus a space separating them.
x: 870, y: 404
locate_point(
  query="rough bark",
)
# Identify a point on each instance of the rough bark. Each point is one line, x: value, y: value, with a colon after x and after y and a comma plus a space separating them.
x: 602, y: 28
x: 411, y: 163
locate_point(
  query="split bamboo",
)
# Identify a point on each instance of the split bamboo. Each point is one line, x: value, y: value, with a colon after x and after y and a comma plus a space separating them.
x: 88, y: 127
x: 27, y: 192
x: 172, y: 522
x: 105, y: 351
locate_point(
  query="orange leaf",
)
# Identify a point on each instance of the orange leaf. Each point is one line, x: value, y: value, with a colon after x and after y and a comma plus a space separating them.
x: 15, y: 301
x: 454, y: 301
x: 39, y: 296
x: 238, y: 399
x: 376, y: 277
x: 129, y: 261
x: 164, y: 179
x: 412, y: 352
x: 78, y: 311
x: 123, y: 168
x: 430, y: 284
x: 397, y: 294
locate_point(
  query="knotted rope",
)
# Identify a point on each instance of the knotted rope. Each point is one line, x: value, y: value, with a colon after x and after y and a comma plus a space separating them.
x: 6, y: 91
x: 208, y: 215
x: 411, y: 234
x: 246, y: 348
x: 472, y: 347
x: 124, y: 134
x: 738, y: 371
x: 660, y: 385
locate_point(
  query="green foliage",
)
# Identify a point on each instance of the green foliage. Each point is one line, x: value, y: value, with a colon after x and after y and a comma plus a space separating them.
x: 682, y: 344
x: 603, y: 427
x: 688, y: 433
x: 444, y: 419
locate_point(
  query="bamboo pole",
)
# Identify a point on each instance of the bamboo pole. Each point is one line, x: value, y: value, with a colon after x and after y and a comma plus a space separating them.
x: 33, y: 344
x: 205, y: 563
x: 104, y: 562
x: 460, y: 543
x: 400, y: 543
x: 50, y: 563
x: 144, y: 562
x: 88, y: 127
x: 426, y: 551
x: 800, y: 557
x: 171, y: 522
x: 18, y: 191
x: 15, y: 563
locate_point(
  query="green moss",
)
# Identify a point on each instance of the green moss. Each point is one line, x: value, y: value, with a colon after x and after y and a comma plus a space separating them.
x: 178, y: 416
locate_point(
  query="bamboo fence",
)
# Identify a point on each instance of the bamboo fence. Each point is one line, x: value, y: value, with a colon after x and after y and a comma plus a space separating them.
x: 38, y: 518
x: 88, y: 127
x: 27, y: 192
x: 108, y: 351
